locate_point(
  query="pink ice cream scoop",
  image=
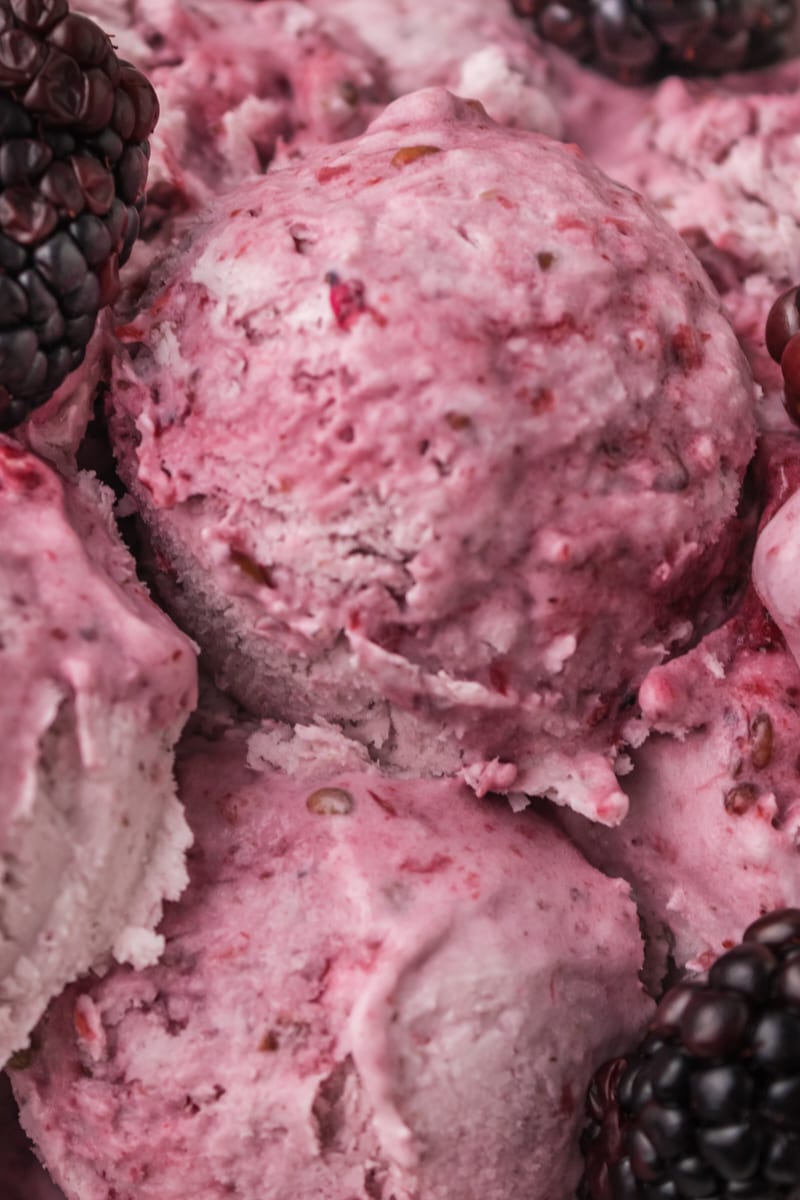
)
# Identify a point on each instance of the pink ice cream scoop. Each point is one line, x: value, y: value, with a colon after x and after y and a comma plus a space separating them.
x: 97, y: 684
x: 438, y: 435
x: 718, y: 158
x: 238, y: 83
x: 371, y: 988
x: 711, y: 840
x: 477, y: 49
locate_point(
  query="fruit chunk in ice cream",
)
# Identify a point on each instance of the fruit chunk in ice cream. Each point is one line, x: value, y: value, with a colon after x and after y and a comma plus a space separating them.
x: 97, y: 686
x: 371, y: 988
x: 438, y: 435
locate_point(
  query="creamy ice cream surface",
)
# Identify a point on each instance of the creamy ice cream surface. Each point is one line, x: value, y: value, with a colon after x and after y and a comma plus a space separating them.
x: 712, y: 834
x: 476, y: 48
x: 459, y: 509
x: 371, y: 988
x: 718, y: 158
x: 711, y: 838
x: 238, y: 84
x: 440, y: 444
x: 99, y: 684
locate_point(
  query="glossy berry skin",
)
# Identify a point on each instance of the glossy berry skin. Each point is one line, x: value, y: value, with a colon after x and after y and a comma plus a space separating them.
x: 74, y: 123
x: 708, y: 1106
x: 782, y: 335
x: 639, y: 40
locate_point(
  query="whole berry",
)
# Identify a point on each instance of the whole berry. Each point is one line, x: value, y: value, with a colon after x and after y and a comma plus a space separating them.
x: 708, y: 1105
x: 638, y: 40
x: 74, y: 123
x: 782, y: 336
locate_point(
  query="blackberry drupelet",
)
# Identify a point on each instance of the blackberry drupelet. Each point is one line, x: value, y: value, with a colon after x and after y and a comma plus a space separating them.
x: 638, y: 40
x: 782, y: 336
x: 74, y: 123
x: 708, y: 1106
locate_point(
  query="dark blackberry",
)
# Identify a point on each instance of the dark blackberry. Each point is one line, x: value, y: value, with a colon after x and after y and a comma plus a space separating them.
x: 74, y: 123
x: 640, y: 40
x: 708, y: 1106
x: 783, y: 343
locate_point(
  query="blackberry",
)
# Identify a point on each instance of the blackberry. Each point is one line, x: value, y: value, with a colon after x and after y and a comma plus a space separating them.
x: 708, y: 1106
x: 74, y: 123
x: 640, y: 40
x: 783, y: 343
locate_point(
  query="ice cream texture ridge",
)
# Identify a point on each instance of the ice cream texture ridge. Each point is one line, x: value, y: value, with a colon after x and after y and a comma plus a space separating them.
x: 400, y: 605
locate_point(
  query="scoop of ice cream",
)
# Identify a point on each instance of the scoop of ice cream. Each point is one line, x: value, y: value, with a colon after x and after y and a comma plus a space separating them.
x: 97, y: 684
x: 719, y: 159
x: 237, y: 82
x: 438, y: 435
x: 370, y: 988
x: 476, y: 48
x: 21, y: 1175
x: 711, y: 840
